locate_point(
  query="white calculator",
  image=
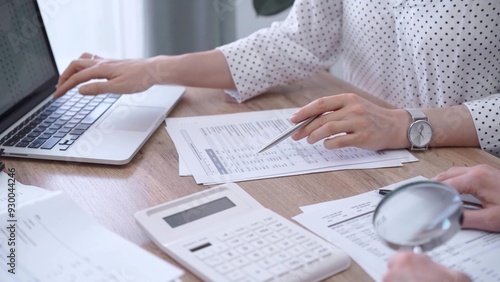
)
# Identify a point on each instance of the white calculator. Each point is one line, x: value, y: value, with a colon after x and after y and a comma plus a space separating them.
x: 223, y: 234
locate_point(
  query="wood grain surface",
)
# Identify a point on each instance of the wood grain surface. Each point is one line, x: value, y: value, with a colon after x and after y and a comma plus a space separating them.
x: 112, y: 194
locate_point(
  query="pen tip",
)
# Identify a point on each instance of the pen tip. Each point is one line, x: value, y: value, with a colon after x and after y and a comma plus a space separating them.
x: 262, y: 149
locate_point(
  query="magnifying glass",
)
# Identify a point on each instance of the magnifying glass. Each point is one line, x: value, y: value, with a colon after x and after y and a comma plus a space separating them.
x: 418, y: 216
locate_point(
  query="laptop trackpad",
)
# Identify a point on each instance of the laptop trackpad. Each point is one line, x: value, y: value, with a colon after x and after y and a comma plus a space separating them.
x: 129, y: 118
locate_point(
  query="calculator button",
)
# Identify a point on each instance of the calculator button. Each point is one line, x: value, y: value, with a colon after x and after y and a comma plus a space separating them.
x: 277, y: 225
x: 218, y: 248
x: 287, y: 232
x: 299, y: 238
x: 240, y: 261
x: 235, y: 275
x: 204, y: 253
x: 259, y: 243
x: 243, y: 249
x: 264, y: 231
x: 269, y: 219
x: 323, y: 252
x: 233, y: 242
x: 240, y: 231
x: 294, y: 263
x: 229, y: 254
x: 214, y: 260
x: 249, y: 236
x: 309, y: 257
x: 274, y: 237
x: 311, y: 244
x: 296, y: 250
x: 285, y: 244
x: 258, y: 273
x: 266, y: 262
x: 269, y: 250
x: 224, y: 267
x: 278, y: 270
x: 224, y: 236
x: 256, y: 255
x: 255, y: 225
x: 282, y: 256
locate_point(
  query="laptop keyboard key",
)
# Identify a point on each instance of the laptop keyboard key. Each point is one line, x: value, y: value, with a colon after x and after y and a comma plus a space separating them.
x: 96, y: 113
x: 37, y: 143
x: 63, y: 147
x: 28, y: 139
x: 82, y: 126
x: 51, y: 142
x: 77, y: 132
x: 34, y: 134
x: 22, y: 144
x: 10, y: 143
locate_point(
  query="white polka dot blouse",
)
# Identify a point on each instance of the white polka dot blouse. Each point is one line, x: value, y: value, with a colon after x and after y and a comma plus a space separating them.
x: 411, y: 53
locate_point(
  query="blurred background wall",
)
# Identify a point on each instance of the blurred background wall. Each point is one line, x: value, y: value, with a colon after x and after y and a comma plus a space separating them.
x: 136, y: 29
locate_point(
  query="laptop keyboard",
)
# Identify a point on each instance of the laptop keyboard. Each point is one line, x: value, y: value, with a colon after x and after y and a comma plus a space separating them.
x: 60, y: 122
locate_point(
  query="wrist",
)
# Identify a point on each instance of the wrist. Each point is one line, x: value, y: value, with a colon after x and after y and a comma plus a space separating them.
x: 160, y: 68
x: 402, y: 123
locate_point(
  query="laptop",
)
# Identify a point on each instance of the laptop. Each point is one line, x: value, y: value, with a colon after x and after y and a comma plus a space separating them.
x: 105, y: 129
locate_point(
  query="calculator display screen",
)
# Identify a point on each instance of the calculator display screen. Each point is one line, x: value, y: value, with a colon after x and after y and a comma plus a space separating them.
x: 198, y: 212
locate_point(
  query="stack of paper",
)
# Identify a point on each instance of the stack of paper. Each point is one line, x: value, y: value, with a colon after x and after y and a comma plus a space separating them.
x: 347, y: 223
x: 223, y: 148
x: 49, y: 238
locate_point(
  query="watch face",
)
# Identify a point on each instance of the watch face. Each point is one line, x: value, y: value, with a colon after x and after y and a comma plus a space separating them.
x: 420, y: 133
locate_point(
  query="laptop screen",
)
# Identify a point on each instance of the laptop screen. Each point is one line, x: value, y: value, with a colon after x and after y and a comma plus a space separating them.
x: 26, y: 62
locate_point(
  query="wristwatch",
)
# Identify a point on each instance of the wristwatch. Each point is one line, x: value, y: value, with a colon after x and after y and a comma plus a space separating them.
x: 420, y: 130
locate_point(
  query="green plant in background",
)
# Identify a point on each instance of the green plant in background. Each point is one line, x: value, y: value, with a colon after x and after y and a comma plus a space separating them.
x: 271, y: 7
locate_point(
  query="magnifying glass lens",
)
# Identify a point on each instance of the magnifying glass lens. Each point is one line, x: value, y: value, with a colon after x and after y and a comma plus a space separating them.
x: 420, y: 214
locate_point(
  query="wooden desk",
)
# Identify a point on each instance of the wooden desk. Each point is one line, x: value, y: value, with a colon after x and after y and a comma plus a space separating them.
x: 112, y: 194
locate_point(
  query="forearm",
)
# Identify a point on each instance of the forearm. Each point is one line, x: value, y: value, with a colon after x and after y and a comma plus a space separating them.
x: 207, y: 69
x: 452, y: 126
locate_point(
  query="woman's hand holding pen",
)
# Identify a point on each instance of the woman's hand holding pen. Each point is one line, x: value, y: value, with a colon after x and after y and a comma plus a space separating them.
x: 481, y: 181
x: 365, y: 124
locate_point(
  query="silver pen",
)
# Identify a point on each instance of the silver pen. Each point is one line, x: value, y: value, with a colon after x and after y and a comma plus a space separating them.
x: 287, y: 133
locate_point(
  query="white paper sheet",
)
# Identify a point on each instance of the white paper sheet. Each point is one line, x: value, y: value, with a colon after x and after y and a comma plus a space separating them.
x: 347, y: 223
x: 223, y: 148
x: 56, y: 241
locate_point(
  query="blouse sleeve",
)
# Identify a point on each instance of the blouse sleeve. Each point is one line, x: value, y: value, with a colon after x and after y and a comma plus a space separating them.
x: 486, y: 116
x: 307, y: 41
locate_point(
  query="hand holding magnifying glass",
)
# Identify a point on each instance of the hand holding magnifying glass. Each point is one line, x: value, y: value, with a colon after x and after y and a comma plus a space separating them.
x: 480, y: 181
x: 418, y: 216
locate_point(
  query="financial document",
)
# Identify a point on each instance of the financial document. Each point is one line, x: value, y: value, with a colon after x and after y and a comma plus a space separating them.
x: 223, y: 148
x: 51, y: 239
x: 347, y: 223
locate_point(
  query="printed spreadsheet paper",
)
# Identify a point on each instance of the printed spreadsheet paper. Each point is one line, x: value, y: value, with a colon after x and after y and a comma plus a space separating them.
x: 347, y: 223
x: 57, y: 241
x: 223, y: 148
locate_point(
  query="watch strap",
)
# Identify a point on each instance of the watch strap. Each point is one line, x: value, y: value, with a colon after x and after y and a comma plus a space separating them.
x: 416, y: 114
